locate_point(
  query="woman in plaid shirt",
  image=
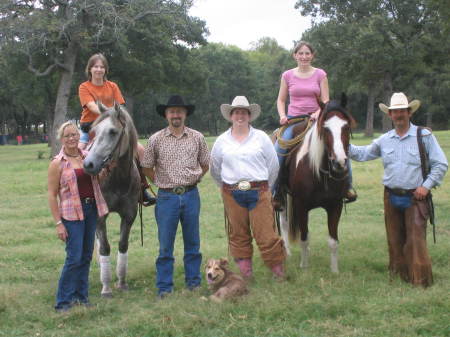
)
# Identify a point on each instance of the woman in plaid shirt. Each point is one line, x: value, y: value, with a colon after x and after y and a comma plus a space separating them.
x: 75, y: 202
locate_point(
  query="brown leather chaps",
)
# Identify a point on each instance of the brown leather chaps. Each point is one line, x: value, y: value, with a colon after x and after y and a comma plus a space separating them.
x: 406, y: 237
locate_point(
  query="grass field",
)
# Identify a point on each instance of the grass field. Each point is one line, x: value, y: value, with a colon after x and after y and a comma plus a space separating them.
x: 359, y: 301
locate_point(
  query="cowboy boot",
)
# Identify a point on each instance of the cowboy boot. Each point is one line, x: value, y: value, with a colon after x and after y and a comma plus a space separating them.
x: 278, y: 272
x: 245, y: 267
x: 147, y: 198
x: 278, y: 201
x: 350, y: 195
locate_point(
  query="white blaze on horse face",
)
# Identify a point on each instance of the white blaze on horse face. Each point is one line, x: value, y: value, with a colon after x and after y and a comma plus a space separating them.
x: 104, y: 140
x: 335, y: 124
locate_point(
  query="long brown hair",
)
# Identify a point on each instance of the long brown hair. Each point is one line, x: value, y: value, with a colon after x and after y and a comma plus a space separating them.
x: 92, y: 60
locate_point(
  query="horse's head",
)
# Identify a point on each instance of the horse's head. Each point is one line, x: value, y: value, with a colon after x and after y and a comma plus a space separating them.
x: 115, y: 136
x: 334, y: 127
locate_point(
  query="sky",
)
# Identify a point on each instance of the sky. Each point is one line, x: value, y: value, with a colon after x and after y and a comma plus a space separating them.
x: 241, y: 22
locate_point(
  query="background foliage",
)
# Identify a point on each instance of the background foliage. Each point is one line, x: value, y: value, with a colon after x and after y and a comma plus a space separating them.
x: 369, y: 49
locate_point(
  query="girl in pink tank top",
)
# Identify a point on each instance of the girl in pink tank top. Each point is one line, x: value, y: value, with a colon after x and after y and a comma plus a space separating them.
x: 303, y: 85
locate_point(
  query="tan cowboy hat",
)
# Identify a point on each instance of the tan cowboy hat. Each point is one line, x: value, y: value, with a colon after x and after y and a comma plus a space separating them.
x: 400, y: 101
x: 240, y: 102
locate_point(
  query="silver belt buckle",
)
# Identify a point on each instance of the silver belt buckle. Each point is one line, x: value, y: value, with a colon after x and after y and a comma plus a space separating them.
x: 244, y: 185
x: 179, y: 190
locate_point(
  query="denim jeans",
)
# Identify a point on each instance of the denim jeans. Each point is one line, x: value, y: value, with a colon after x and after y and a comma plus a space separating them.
x: 246, y: 199
x: 287, y: 135
x: 73, y: 283
x: 171, y: 209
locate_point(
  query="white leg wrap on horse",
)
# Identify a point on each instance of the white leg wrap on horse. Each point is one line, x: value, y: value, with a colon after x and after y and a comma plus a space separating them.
x: 304, y: 255
x: 122, y: 266
x: 333, y: 244
x: 105, y: 274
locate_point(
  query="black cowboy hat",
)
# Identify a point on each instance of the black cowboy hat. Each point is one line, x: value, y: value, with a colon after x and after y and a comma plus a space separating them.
x: 174, y: 100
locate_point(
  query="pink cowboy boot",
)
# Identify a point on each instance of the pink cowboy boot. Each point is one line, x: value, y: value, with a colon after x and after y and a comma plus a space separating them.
x: 278, y: 272
x: 245, y: 267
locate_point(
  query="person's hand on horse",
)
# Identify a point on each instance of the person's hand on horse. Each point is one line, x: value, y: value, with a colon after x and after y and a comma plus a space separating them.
x: 284, y: 120
x: 315, y: 115
x: 420, y: 193
x: 61, y: 232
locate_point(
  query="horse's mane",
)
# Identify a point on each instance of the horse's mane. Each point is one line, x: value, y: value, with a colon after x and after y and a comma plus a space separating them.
x: 316, y: 148
x: 314, y: 145
x: 125, y: 119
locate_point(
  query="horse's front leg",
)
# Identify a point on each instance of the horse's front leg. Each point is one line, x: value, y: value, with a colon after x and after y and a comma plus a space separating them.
x: 122, y: 254
x: 104, y: 258
x: 334, y: 214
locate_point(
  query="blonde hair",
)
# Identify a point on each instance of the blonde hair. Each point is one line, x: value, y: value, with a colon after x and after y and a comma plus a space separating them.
x: 92, y: 60
x: 60, y: 132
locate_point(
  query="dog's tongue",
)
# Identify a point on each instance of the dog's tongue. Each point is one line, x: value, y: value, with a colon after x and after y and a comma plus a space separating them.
x: 209, y: 280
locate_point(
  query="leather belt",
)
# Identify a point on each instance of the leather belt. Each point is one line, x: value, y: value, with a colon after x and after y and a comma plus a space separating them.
x: 88, y: 200
x: 178, y: 189
x: 400, y: 191
x: 245, y: 185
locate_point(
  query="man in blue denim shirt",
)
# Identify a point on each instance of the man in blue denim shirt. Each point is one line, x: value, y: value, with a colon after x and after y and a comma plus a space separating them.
x: 175, y: 159
x: 405, y: 207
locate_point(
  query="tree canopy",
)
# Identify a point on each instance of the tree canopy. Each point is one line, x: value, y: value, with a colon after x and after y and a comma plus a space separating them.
x: 155, y: 48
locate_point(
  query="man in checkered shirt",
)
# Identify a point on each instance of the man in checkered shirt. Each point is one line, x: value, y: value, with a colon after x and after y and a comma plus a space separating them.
x: 175, y: 159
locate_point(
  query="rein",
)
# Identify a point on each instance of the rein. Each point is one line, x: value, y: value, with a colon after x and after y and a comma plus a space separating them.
x: 288, y: 144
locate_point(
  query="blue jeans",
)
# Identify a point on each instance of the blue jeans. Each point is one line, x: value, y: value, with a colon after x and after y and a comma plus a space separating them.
x: 84, y: 137
x: 171, y: 209
x: 287, y: 135
x: 73, y: 283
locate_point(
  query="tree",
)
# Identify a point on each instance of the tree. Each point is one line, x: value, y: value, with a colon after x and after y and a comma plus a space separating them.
x: 53, y: 34
x: 380, y: 44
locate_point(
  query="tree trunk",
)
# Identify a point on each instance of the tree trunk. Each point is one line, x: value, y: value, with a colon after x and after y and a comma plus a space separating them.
x: 387, y: 93
x: 369, y: 118
x: 62, y: 98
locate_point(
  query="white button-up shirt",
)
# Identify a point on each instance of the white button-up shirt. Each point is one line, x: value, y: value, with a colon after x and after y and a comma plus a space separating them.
x: 253, y: 159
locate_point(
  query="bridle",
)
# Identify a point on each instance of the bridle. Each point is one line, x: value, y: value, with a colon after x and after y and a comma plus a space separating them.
x: 119, y: 141
x: 328, y: 172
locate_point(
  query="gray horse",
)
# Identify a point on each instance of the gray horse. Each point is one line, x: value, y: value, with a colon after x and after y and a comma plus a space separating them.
x: 114, y: 147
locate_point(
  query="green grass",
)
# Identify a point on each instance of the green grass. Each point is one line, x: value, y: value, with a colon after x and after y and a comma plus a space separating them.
x: 359, y: 301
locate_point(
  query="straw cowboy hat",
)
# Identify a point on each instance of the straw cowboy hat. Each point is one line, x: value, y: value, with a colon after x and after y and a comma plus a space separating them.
x: 174, y: 101
x: 240, y: 102
x: 400, y: 101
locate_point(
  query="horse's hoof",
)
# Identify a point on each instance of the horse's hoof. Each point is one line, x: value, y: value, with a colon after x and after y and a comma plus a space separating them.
x: 122, y: 287
x: 107, y: 295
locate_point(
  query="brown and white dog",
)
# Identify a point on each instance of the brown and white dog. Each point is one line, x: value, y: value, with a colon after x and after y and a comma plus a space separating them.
x: 223, y: 282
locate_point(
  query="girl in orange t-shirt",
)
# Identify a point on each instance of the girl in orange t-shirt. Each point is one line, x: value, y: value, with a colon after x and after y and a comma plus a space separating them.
x: 98, y: 88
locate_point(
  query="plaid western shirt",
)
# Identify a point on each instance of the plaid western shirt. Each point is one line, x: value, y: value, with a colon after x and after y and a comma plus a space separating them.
x: 69, y: 198
x: 177, y: 161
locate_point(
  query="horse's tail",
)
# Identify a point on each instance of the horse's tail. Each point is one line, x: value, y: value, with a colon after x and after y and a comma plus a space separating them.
x: 294, y: 230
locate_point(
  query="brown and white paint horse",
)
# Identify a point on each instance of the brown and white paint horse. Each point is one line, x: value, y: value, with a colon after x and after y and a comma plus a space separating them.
x: 318, y: 177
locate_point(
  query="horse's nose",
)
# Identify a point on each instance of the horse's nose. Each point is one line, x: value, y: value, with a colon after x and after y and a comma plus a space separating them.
x: 339, y: 165
x: 89, y: 166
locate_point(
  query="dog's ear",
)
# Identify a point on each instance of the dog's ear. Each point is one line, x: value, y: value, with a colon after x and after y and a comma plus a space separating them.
x: 223, y: 262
